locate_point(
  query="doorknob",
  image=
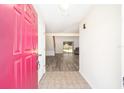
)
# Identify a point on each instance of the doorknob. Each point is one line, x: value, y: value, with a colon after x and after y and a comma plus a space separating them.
x: 38, y: 63
x: 39, y: 54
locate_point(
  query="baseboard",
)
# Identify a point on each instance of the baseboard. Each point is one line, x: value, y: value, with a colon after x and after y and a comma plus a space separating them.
x: 41, y: 78
x: 86, y: 80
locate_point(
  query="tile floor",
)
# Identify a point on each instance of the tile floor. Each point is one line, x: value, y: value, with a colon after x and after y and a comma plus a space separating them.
x: 63, y: 80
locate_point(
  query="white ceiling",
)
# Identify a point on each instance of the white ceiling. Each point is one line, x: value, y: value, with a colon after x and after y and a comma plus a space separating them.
x: 59, y: 20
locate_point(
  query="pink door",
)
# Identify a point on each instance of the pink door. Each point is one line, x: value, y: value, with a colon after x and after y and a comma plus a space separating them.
x: 18, y: 49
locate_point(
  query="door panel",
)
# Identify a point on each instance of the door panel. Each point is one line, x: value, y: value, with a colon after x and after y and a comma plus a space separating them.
x: 28, y: 71
x: 17, y: 48
x: 18, y: 73
x: 27, y: 35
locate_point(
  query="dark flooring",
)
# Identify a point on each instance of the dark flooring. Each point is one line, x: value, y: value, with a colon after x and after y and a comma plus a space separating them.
x: 62, y: 62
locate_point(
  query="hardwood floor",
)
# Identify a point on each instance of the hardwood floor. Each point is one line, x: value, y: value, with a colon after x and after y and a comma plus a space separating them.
x: 62, y: 62
x: 63, y: 80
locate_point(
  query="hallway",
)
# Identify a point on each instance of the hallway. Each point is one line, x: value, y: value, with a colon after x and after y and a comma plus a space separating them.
x: 63, y: 80
x: 62, y: 72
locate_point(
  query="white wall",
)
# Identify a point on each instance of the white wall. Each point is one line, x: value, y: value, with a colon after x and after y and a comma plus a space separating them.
x: 100, y: 52
x: 49, y: 46
x: 122, y: 46
x: 60, y: 39
x: 41, y: 44
x: 41, y: 48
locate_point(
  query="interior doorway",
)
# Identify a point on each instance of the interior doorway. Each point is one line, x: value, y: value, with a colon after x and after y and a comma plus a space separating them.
x: 68, y: 47
x: 65, y: 55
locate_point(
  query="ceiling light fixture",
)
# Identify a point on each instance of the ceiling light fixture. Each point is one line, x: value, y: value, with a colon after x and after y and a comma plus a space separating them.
x: 64, y: 6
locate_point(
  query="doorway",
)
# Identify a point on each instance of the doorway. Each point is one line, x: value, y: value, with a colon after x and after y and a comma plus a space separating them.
x: 68, y: 47
x: 64, y: 57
